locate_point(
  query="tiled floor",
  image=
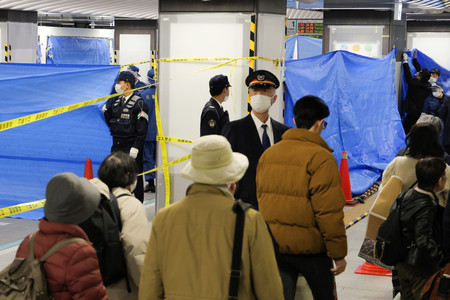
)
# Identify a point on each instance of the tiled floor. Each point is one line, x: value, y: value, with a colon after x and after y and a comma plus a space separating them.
x: 349, y: 285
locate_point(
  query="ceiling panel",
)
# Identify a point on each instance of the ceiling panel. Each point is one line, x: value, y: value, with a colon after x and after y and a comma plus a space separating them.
x: 148, y: 9
x: 141, y: 9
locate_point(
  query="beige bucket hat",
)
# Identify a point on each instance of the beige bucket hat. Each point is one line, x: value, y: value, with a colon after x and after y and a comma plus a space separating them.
x: 213, y: 162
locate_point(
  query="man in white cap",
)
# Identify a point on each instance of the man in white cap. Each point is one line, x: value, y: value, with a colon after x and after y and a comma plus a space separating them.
x: 190, y: 248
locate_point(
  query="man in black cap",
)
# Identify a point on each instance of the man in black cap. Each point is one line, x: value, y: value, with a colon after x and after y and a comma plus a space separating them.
x: 257, y: 131
x: 434, y: 76
x: 135, y: 71
x: 213, y: 116
x: 127, y: 118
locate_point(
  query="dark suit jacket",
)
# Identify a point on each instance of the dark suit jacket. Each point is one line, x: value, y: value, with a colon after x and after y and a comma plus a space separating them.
x: 244, y: 138
x: 213, y: 118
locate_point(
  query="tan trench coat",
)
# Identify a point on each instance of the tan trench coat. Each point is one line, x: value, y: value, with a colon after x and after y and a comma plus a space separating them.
x: 189, y: 253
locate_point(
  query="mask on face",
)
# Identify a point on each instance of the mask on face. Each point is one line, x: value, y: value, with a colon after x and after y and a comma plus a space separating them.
x: 133, y: 186
x: 436, y: 94
x: 118, y: 88
x: 225, y: 99
x: 260, y: 103
x: 432, y: 80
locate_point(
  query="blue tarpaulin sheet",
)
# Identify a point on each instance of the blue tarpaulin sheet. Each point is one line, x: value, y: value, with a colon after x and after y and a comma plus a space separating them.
x: 76, y: 50
x: 364, y: 120
x: 306, y: 47
x: 30, y: 155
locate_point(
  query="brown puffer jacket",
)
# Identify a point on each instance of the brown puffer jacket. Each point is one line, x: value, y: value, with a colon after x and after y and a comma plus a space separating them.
x: 300, y: 196
x: 73, y: 271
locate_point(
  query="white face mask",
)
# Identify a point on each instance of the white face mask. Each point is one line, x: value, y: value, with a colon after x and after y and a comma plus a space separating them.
x: 133, y: 186
x: 432, y: 80
x: 225, y: 99
x: 118, y: 88
x: 436, y: 94
x: 260, y: 103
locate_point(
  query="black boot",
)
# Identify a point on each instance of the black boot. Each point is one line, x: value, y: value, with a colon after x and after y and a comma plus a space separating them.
x: 150, y: 187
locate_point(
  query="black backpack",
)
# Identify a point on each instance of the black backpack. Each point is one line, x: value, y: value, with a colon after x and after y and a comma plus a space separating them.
x: 103, y: 229
x: 390, y: 247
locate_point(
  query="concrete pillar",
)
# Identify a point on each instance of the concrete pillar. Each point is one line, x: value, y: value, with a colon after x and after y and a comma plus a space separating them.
x: 18, y: 30
x: 209, y: 29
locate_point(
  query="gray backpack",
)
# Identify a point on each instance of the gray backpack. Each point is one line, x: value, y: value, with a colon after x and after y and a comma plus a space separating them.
x: 25, y: 278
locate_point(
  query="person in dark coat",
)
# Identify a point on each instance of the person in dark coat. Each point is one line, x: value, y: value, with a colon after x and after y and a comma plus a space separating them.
x: 213, y: 116
x: 418, y: 91
x: 148, y: 95
x: 254, y: 133
x: 445, y: 117
x: 127, y: 118
x: 421, y: 227
x: 434, y: 102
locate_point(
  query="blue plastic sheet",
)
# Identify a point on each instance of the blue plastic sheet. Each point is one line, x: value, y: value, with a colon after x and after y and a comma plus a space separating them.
x: 30, y: 155
x: 76, y: 50
x: 364, y: 120
x: 306, y: 47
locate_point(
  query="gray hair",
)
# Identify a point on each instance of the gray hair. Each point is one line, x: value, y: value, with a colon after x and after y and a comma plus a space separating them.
x: 435, y: 121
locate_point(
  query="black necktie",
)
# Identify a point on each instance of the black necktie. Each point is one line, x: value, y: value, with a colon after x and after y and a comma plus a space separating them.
x: 265, y: 138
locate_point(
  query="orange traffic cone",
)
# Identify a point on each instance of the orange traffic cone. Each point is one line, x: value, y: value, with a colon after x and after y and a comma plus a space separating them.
x: 345, y: 180
x: 88, y: 169
x: 371, y: 269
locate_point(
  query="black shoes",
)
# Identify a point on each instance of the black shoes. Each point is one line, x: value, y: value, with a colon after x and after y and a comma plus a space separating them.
x: 150, y: 187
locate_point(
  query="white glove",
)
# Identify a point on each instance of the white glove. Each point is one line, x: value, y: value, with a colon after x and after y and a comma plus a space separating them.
x: 405, y: 57
x: 134, y: 152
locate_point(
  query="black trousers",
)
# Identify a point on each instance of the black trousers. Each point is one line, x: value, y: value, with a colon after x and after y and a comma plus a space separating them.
x: 316, y: 270
x: 125, y: 146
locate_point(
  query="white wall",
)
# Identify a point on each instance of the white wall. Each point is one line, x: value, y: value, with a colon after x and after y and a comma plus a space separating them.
x: 183, y: 91
x: 45, y: 31
x: 434, y: 44
x: 3, y: 39
x: 270, y: 44
x: 134, y: 48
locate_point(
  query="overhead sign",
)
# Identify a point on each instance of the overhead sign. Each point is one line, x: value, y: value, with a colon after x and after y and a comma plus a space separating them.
x: 291, y: 27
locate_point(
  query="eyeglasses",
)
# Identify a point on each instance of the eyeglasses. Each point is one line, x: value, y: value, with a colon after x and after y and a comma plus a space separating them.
x: 325, y: 123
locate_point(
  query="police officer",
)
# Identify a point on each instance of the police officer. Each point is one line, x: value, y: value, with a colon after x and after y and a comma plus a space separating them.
x: 213, y: 116
x: 148, y: 95
x: 135, y: 70
x: 127, y: 118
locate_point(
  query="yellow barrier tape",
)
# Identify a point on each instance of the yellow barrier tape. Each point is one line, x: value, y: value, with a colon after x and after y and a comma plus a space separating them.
x: 57, y: 111
x: 20, y: 208
x: 172, y: 140
x: 201, y: 59
x: 165, y: 160
x: 17, y: 209
x: 172, y: 163
x: 53, y: 112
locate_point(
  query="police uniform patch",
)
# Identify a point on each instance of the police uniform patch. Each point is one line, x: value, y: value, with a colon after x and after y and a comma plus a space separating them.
x: 212, y: 123
x: 125, y: 116
x: 142, y: 114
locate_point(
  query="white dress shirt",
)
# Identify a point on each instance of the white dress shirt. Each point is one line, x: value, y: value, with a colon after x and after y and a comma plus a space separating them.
x: 269, y: 129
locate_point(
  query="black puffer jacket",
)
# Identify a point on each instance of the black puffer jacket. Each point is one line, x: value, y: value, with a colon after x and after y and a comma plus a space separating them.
x: 421, y: 225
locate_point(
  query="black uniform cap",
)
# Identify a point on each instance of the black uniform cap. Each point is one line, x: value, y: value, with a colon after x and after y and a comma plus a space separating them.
x: 126, y: 76
x: 436, y: 71
x: 263, y: 79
